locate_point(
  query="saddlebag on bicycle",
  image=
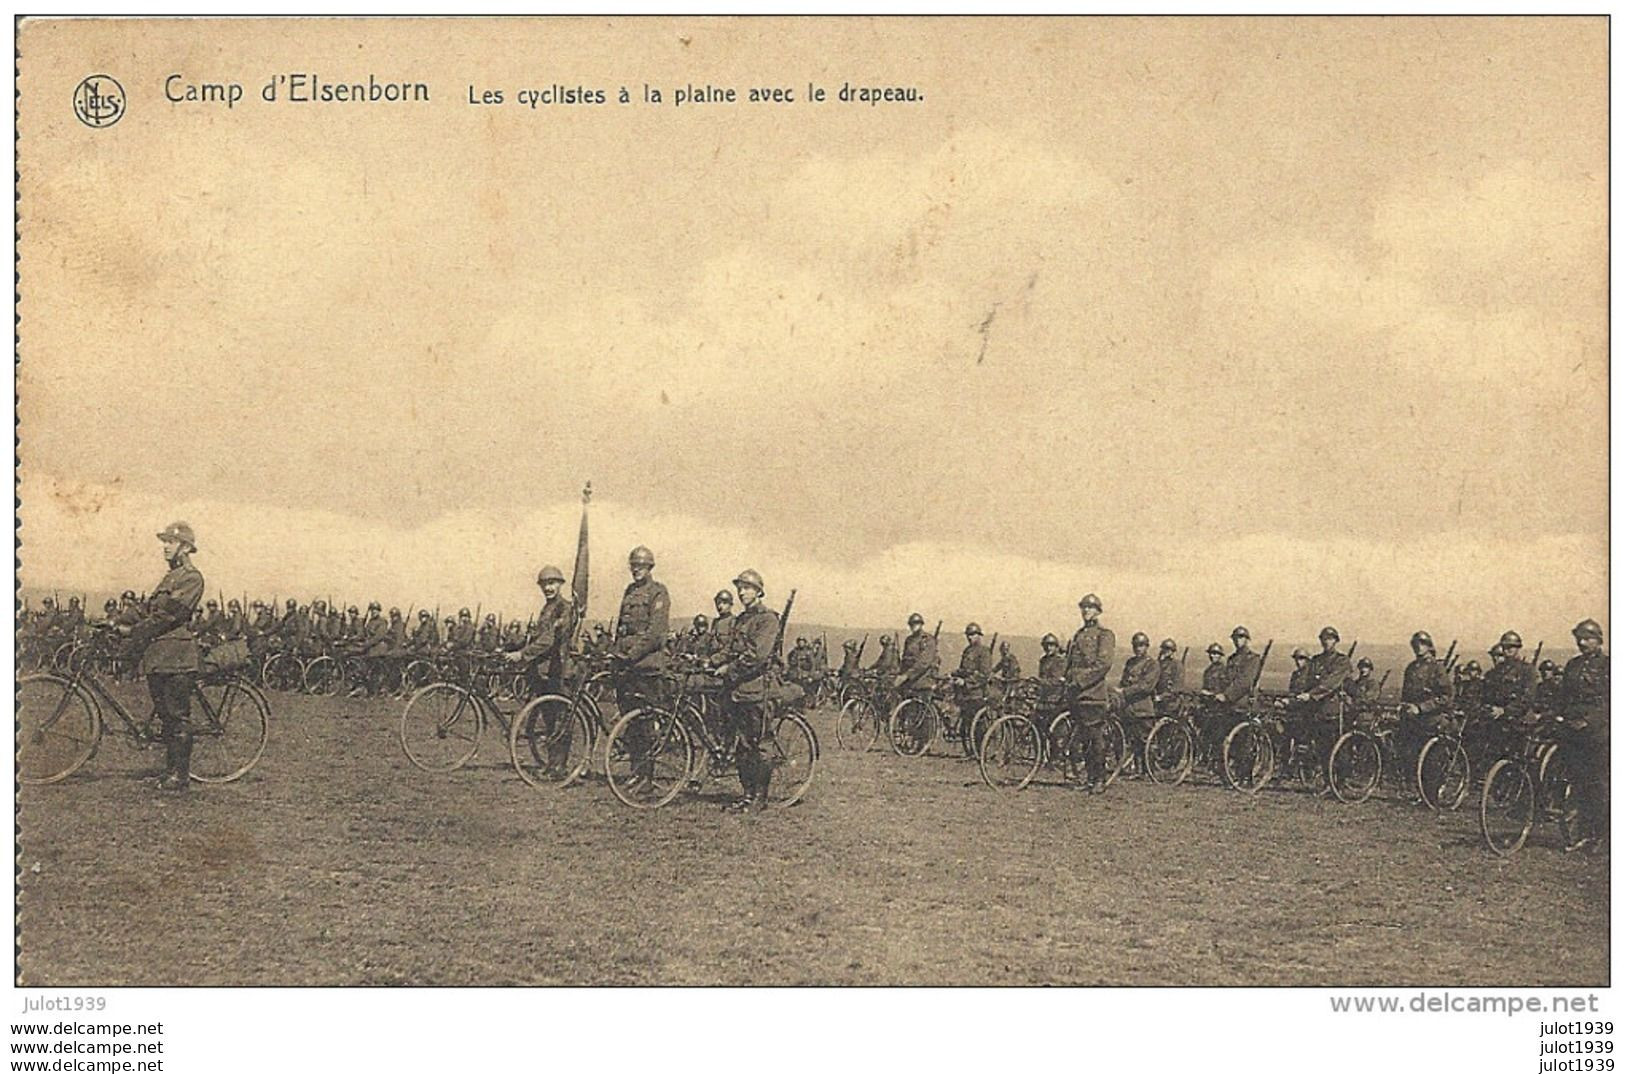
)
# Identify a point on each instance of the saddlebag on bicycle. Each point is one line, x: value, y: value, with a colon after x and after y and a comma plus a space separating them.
x: 226, y: 656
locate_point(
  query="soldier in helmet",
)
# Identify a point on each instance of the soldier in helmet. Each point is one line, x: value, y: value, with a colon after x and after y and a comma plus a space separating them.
x: 489, y: 639
x: 1547, y: 689
x: 1228, y: 702
x: 1052, y: 664
x: 1317, y: 706
x: 1300, y: 672
x: 699, y: 637
x: 919, y: 659
x: 1170, y: 677
x: 1137, y: 693
x: 1088, y: 662
x: 547, y: 654
x: 1509, y: 685
x: 639, y: 652
x: 169, y: 653
x: 1470, y: 685
x: 1214, y: 675
x: 745, y: 672
x: 722, y: 625
x: 1426, y: 694
x: 209, y: 628
x: 462, y: 636
x: 1585, y: 707
x: 1361, y: 690
x: 425, y: 636
x: 971, y: 682
x: 1008, y: 669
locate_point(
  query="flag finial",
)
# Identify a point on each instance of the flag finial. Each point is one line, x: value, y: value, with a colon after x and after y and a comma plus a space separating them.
x: 586, y: 493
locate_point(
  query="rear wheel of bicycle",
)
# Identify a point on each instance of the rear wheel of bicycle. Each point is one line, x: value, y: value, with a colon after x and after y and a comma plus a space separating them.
x: 790, y: 752
x: 1355, y: 766
x: 912, y: 725
x: 418, y: 674
x: 550, y: 742
x: 283, y: 671
x: 1247, y: 759
x: 857, y: 725
x: 1170, y: 751
x: 647, y: 758
x: 977, y: 730
x: 1010, y: 753
x: 440, y: 727
x: 323, y: 676
x: 229, y: 732
x: 1506, y: 808
x: 1556, y: 796
x: 1443, y: 773
x: 1058, y: 744
x: 58, y: 727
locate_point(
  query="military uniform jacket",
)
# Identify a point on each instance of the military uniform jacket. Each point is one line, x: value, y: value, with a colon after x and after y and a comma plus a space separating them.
x: 1170, y: 676
x: 1327, y: 674
x: 849, y: 664
x: 1139, y: 686
x: 1089, y: 661
x: 1508, y: 685
x: 550, y: 649
x: 919, y: 661
x: 1585, y: 690
x: 375, y: 637
x: 1427, y: 686
x: 722, y: 629
x: 1241, y: 675
x: 462, y: 635
x: 750, y: 652
x: 975, y: 666
x: 1052, y: 667
x: 1214, y: 677
x: 1299, y: 682
x: 886, y: 664
x: 640, y: 629
x: 164, y: 632
x: 1008, y: 668
x: 1361, y: 690
x: 426, y: 635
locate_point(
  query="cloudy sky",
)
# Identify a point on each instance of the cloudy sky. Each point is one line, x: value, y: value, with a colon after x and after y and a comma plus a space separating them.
x: 1281, y: 320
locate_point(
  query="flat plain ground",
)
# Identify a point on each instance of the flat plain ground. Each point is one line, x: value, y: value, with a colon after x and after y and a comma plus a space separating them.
x: 337, y: 862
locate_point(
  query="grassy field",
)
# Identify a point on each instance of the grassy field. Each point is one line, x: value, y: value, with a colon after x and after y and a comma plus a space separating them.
x: 336, y: 862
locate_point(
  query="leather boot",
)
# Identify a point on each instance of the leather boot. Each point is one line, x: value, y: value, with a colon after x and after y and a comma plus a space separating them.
x: 179, y: 777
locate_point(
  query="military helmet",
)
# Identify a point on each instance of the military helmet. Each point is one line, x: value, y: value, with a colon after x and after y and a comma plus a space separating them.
x: 292, y: 603
x: 641, y: 557
x: 1299, y: 654
x: 1215, y: 649
x: 1051, y: 639
x: 129, y: 594
x: 212, y: 603
x: 490, y: 617
x: 1167, y: 645
x: 1240, y: 632
x: 972, y: 628
x: 394, y: 613
x: 916, y: 619
x: 1422, y: 637
x: 1365, y: 662
x: 549, y: 573
x: 1090, y: 601
x: 1588, y: 628
x: 1329, y: 632
x: 701, y: 621
x: 423, y: 613
x: 233, y: 603
x: 724, y: 596
x: 1139, y: 638
x: 1548, y: 665
x: 1510, y: 640
x: 752, y: 579
x: 374, y: 606
x: 885, y: 640
x: 1472, y: 665
x: 849, y: 644
x: 179, y: 531
x: 109, y: 605
x: 465, y: 614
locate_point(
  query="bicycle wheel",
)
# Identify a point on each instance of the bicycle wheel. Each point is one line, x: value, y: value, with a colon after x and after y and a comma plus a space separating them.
x: 1010, y: 753
x: 323, y: 676
x: 230, y: 731
x: 1247, y: 759
x: 417, y: 674
x: 911, y: 727
x: 1506, y: 809
x: 58, y: 727
x: 1058, y: 745
x: 1443, y: 773
x: 985, y: 717
x: 648, y: 758
x: 790, y: 751
x: 1170, y: 751
x: 1354, y: 767
x: 283, y: 672
x: 857, y: 725
x: 1117, y: 755
x: 440, y: 727
x: 550, y: 742
x: 62, y: 658
x: 1556, y: 794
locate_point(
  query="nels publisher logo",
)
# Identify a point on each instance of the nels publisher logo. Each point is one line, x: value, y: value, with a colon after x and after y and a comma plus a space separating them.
x: 98, y: 101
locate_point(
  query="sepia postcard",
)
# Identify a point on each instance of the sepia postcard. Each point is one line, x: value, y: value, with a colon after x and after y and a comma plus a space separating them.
x: 813, y: 501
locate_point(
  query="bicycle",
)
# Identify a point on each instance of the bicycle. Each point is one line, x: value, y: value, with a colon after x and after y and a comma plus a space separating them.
x: 1039, y: 733
x: 1466, y: 744
x: 62, y: 718
x: 1175, y: 744
x: 1360, y: 756
x: 443, y: 722
x: 1534, y: 783
x: 553, y: 739
x: 651, y: 755
x: 858, y: 723
x: 1266, y: 744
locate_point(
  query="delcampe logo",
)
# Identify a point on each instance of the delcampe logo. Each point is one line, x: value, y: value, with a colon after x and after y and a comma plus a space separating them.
x: 98, y: 101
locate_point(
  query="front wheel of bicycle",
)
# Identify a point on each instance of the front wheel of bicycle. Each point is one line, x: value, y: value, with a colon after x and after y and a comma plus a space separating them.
x: 1443, y: 773
x: 1247, y: 759
x: 1354, y: 767
x: 1506, y: 808
x: 58, y: 727
x: 1010, y: 753
x: 790, y: 752
x: 550, y: 742
x: 857, y: 725
x: 323, y: 676
x: 283, y: 672
x: 440, y: 727
x: 1170, y: 751
x: 648, y: 758
x: 912, y: 725
x: 230, y: 731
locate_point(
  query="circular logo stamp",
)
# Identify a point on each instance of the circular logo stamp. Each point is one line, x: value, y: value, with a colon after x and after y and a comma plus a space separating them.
x: 98, y: 101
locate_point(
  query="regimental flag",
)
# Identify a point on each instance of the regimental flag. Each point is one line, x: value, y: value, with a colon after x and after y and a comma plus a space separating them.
x: 578, y: 581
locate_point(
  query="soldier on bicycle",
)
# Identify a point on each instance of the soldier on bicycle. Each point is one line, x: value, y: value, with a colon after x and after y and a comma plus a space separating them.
x: 919, y: 660
x: 1509, y: 685
x: 722, y: 626
x: 1362, y: 689
x: 1088, y: 662
x: 1216, y: 674
x: 1426, y: 694
x: 1317, y: 705
x: 1137, y: 693
x: 1170, y: 677
x: 425, y: 637
x: 1585, y: 707
x: 548, y: 653
x: 169, y: 653
x: 1008, y: 669
x: 746, y: 672
x: 639, y: 649
x: 971, y: 680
